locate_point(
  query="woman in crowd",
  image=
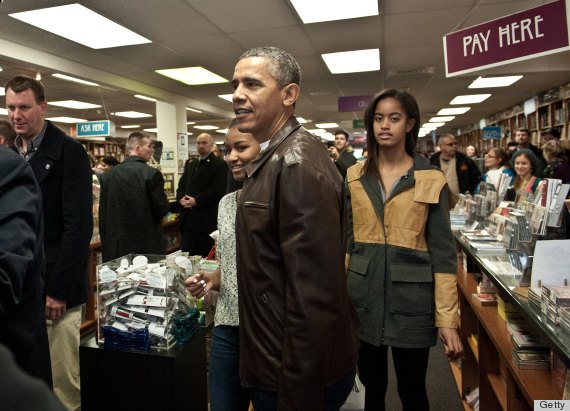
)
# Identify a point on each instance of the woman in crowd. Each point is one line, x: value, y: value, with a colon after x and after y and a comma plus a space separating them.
x: 524, y: 162
x: 225, y: 391
x: 471, y: 152
x: 558, y: 164
x: 400, y: 255
x: 496, y: 163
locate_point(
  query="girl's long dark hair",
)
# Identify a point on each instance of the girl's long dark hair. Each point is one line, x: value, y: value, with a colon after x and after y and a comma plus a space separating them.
x: 410, y: 106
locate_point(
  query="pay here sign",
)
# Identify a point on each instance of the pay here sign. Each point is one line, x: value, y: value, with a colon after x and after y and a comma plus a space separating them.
x: 531, y: 33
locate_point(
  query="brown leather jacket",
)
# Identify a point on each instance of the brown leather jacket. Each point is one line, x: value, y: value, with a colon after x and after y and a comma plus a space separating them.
x: 297, y: 327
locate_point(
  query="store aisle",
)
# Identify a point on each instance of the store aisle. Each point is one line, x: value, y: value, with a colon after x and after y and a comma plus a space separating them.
x: 441, y: 387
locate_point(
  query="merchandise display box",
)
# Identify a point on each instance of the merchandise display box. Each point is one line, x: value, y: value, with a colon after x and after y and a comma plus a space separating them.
x: 142, y: 302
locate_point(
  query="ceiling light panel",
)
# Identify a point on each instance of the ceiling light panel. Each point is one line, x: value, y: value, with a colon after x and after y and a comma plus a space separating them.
x: 132, y: 114
x: 315, y: 11
x: 491, y: 82
x: 69, y: 120
x: 353, y: 61
x: 3, y: 112
x: 131, y: 126
x: 453, y: 111
x: 192, y: 76
x: 82, y: 25
x: 140, y: 96
x: 74, y: 104
x: 228, y: 97
x: 193, y: 110
x: 73, y: 79
x: 326, y: 125
x: 206, y: 127
x: 2, y: 91
x: 470, y: 99
x: 445, y: 119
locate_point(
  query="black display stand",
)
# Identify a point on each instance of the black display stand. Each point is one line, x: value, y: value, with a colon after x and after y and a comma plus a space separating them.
x: 173, y: 379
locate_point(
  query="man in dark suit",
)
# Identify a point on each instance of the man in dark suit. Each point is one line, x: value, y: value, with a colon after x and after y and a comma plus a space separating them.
x: 22, y: 322
x: 200, y: 189
x: 62, y: 169
x: 133, y: 203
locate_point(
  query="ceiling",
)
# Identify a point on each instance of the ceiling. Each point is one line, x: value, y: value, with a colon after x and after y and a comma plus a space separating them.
x: 214, y: 33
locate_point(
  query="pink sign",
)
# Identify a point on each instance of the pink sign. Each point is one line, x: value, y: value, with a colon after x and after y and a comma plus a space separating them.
x: 531, y: 33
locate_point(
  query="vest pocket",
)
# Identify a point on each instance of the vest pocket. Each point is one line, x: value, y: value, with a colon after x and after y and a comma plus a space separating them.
x: 357, y: 281
x: 412, y: 289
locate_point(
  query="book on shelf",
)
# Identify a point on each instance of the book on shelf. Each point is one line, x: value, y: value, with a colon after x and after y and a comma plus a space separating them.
x: 485, y: 299
x: 527, y: 340
x: 532, y: 359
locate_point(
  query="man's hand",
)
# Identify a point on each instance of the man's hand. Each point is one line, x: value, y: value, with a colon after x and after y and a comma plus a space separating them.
x: 55, y: 309
x: 188, y: 202
x: 333, y: 152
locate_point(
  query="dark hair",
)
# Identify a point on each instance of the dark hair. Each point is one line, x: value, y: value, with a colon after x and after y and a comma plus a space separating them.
x: 344, y: 133
x: 534, y: 162
x: 410, y: 106
x: 502, y: 156
x: 512, y: 144
x: 524, y: 130
x: 552, y: 131
x: 282, y: 66
x: 23, y: 83
x: 110, y: 161
x: 7, y: 132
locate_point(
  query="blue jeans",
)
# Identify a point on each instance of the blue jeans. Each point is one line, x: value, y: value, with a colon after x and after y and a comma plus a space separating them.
x: 226, y: 393
x: 335, y: 395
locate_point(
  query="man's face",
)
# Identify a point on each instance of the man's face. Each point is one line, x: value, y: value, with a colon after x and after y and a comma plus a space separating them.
x: 521, y: 137
x: 340, y: 142
x: 146, y: 149
x: 258, y: 100
x: 25, y: 114
x: 448, y: 147
x: 546, y: 137
x: 204, y: 145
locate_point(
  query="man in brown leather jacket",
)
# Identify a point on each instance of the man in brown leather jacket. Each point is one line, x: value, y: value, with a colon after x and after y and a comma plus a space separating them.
x: 297, y: 328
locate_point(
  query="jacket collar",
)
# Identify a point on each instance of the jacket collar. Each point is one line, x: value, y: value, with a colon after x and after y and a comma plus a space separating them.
x: 130, y: 159
x: 288, y: 128
x: 51, y: 147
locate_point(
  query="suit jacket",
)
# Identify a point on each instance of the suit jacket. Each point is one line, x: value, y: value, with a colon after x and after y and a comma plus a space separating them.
x: 131, y: 208
x: 62, y: 169
x: 468, y: 174
x: 22, y: 322
x: 206, y: 181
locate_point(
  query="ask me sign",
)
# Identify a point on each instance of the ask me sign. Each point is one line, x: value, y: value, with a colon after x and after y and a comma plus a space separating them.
x: 531, y: 33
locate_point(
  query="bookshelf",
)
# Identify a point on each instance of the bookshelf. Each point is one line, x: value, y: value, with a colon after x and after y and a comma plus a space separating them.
x: 101, y: 149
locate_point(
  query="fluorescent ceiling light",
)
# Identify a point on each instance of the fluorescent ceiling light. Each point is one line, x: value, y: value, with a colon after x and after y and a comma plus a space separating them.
x: 318, y: 131
x: 453, y: 111
x: 2, y: 91
x: 488, y: 82
x: 220, y: 143
x: 314, y: 11
x: 193, y: 109
x: 192, y: 76
x: 144, y: 97
x: 223, y: 131
x: 3, y: 112
x: 82, y: 25
x: 206, y: 127
x: 432, y: 125
x: 326, y: 125
x: 66, y: 120
x: 190, y: 122
x: 353, y: 61
x: 470, y: 99
x: 131, y: 126
x: 75, y: 80
x: 78, y: 105
x: 228, y: 97
x: 301, y: 120
x: 132, y: 114
x: 445, y: 119
x: 151, y: 130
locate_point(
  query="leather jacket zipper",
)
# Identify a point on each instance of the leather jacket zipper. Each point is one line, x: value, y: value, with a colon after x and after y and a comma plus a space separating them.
x: 271, y: 310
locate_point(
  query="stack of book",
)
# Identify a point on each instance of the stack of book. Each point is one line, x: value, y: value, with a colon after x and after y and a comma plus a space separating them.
x: 532, y: 359
x: 484, y: 299
x: 553, y: 298
x: 564, y: 322
x: 535, y: 297
x: 506, y: 310
x: 458, y: 219
x: 487, y: 247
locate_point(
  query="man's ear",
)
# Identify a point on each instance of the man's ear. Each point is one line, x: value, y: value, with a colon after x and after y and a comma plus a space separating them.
x: 291, y: 93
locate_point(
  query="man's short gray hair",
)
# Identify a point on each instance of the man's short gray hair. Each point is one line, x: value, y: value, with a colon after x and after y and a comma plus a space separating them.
x: 283, y: 67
